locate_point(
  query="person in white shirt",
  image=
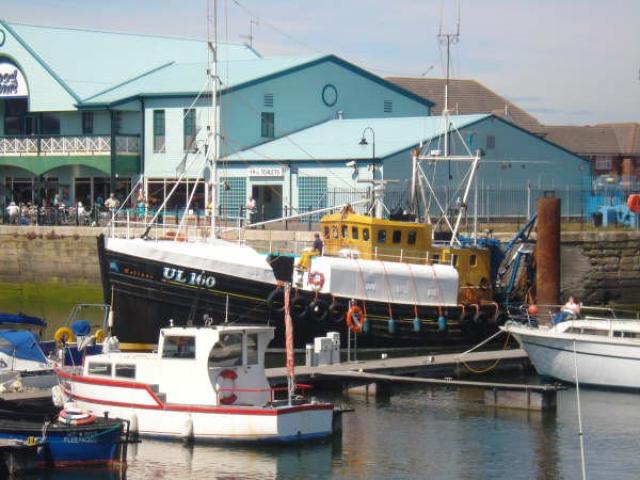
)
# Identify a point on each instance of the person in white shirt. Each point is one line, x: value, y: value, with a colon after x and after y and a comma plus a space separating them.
x: 112, y: 202
x: 14, y: 212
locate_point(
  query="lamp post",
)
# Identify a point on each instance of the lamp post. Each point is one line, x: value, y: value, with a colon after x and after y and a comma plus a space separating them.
x: 363, y: 141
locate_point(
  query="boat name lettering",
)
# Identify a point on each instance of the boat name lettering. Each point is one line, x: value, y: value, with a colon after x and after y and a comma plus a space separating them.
x: 188, y: 278
x: 136, y: 273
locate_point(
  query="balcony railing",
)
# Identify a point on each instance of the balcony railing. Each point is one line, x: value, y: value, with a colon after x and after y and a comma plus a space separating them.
x: 68, y: 145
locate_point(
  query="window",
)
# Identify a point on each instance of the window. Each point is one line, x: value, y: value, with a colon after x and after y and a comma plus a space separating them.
x: 87, y: 123
x: 98, y: 368
x: 326, y: 232
x: 158, y: 131
x: 179, y: 346
x: 454, y: 260
x: 604, y: 163
x: 354, y: 233
x: 189, y: 128
x: 334, y: 229
x: 227, y: 352
x: 473, y: 260
x: 344, y: 231
x: 267, y: 125
x: 312, y: 195
x: 365, y: 234
x: 435, y: 258
x: 252, y: 349
x: 234, y: 196
x: 382, y: 236
x: 397, y: 236
x: 411, y: 237
x: 491, y: 142
x: 388, y: 106
x: 126, y: 371
x: 268, y: 100
x: 50, y: 124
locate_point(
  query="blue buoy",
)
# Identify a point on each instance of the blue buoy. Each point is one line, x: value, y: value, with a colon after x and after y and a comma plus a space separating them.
x: 442, y: 323
x: 417, y: 325
x: 391, y: 325
x: 365, y: 325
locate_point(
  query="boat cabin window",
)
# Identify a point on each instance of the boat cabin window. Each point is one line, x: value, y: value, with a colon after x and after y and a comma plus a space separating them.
x: 252, y: 349
x: 98, y: 368
x: 454, y: 260
x: 227, y: 352
x: 126, y: 371
x: 334, y: 230
x: 435, y: 258
x: 473, y: 260
x: 354, y: 233
x: 344, y: 231
x: 365, y: 234
x: 326, y: 232
x: 397, y: 236
x: 411, y: 237
x: 382, y: 236
x: 623, y: 334
x: 588, y: 331
x: 179, y: 346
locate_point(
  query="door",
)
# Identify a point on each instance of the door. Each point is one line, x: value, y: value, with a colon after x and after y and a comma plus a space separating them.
x: 268, y: 201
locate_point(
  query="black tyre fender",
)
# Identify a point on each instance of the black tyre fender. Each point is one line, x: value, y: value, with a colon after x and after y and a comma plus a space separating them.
x: 275, y: 300
x: 319, y: 310
x: 299, y: 307
x: 337, y: 311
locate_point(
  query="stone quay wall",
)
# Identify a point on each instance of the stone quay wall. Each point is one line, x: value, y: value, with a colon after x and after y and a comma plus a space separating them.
x: 598, y: 267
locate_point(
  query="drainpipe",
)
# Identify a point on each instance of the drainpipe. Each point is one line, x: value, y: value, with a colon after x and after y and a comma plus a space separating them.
x: 142, y: 139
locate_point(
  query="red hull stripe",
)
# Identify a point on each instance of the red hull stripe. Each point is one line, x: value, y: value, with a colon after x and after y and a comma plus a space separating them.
x: 178, y: 408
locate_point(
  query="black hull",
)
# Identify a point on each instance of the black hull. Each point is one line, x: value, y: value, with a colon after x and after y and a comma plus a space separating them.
x: 144, y: 302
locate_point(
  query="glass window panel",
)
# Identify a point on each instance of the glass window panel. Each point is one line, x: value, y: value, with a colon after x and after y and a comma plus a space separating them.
x: 227, y: 352
x: 179, y: 346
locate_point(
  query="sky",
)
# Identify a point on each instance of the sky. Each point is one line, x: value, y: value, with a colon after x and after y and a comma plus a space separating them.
x: 564, y: 61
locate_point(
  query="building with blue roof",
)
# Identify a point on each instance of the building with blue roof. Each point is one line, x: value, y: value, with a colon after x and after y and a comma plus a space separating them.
x: 85, y: 113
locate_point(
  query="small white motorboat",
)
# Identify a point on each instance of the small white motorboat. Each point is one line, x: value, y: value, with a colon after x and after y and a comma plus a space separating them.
x: 205, y: 383
x: 607, y: 350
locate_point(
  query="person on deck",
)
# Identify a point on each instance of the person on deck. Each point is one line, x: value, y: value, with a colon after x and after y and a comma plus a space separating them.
x: 14, y: 213
x: 112, y: 202
x: 569, y: 311
x: 317, y: 244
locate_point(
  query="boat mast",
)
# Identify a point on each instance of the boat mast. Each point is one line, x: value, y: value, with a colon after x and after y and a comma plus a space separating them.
x: 214, y: 121
x: 448, y: 39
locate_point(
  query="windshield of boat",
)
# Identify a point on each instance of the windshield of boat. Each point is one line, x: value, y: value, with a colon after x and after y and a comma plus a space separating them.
x: 179, y: 346
x: 227, y: 352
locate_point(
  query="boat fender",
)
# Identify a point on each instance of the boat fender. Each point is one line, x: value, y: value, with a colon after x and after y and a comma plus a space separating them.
x: 355, y: 319
x: 337, y: 311
x: 417, y: 325
x: 100, y: 335
x: 299, y: 307
x: 391, y: 325
x: 63, y: 335
x: 442, y: 323
x: 226, y: 394
x: 319, y: 310
x: 57, y: 396
x: 633, y: 203
x: 76, y: 416
x: 316, y: 280
x: 275, y: 300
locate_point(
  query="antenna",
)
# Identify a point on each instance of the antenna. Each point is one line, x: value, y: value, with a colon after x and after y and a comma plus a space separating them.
x: 250, y: 37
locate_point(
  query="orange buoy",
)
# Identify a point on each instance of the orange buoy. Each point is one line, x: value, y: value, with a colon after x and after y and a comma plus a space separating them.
x: 633, y: 202
x: 533, y: 310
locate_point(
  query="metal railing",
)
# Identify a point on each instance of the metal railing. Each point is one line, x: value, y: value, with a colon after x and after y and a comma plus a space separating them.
x: 67, y: 144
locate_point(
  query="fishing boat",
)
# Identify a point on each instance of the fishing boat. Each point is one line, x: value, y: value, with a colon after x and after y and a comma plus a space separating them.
x: 203, y: 384
x: 74, y: 438
x: 604, y: 351
x: 389, y: 281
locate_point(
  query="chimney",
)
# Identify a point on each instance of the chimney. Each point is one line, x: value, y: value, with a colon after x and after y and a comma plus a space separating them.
x: 339, y: 114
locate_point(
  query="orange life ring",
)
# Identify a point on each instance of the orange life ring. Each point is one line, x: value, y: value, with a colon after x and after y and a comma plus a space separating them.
x: 75, y: 416
x: 355, y: 319
x: 633, y: 202
x: 316, y: 280
x: 228, y: 396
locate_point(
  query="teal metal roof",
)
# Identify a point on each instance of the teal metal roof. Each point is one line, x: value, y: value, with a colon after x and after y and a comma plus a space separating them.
x: 339, y: 139
x: 90, y: 62
x: 190, y: 78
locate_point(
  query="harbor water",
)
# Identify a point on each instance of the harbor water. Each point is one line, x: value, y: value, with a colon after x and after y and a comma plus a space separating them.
x: 417, y: 432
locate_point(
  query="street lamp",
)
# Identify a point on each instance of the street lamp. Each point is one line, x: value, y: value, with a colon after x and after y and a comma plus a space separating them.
x: 363, y: 141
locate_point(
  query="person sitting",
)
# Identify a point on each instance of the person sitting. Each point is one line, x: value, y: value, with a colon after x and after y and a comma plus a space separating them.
x: 569, y: 311
x: 112, y: 202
